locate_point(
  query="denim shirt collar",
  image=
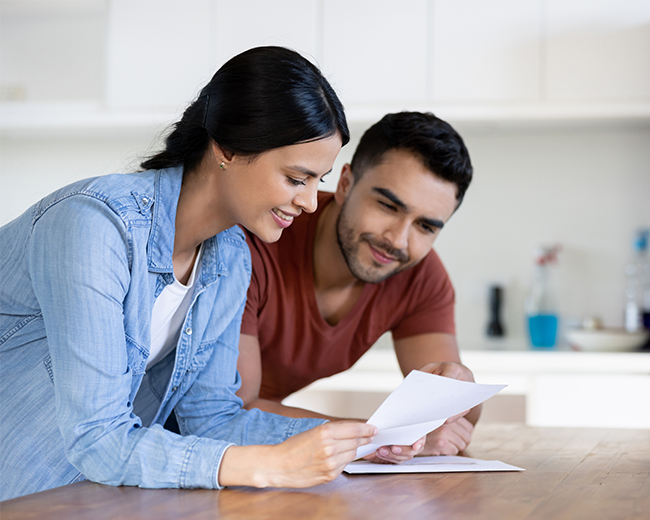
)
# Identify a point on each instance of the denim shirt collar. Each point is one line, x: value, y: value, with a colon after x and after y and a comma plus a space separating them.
x: 167, y: 186
x: 161, y: 240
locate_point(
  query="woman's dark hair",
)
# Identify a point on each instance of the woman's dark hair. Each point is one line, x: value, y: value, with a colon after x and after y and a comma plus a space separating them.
x: 263, y: 98
x: 433, y: 140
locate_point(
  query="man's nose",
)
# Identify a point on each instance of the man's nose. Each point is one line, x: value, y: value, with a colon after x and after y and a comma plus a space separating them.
x: 398, y: 234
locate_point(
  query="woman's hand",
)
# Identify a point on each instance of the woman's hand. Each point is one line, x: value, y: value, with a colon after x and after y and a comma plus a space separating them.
x: 304, y: 460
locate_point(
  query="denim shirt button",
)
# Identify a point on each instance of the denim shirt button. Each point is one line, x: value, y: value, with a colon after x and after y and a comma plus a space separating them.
x: 188, y: 331
x: 145, y: 201
x: 174, y: 389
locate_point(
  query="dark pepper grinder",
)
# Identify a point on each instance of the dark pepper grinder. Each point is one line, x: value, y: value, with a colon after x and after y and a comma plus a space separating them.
x: 494, y: 327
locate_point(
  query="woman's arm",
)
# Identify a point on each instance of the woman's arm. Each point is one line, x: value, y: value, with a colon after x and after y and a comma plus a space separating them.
x: 79, y: 263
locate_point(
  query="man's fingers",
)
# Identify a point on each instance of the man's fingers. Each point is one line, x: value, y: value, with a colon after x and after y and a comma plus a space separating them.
x: 456, y: 417
x: 449, y: 369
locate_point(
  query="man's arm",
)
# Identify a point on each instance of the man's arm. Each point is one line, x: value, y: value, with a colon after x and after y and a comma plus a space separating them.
x: 437, y: 353
x: 249, y: 366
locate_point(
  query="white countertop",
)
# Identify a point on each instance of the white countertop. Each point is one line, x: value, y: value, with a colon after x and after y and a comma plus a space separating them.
x: 378, y: 369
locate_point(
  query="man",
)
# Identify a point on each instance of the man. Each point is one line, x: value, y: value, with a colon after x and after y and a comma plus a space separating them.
x: 361, y: 265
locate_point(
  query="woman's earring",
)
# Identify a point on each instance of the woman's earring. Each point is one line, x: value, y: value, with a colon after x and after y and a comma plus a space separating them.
x: 222, y: 166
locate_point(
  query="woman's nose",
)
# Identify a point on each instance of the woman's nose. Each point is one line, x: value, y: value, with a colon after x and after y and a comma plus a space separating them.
x: 307, y: 199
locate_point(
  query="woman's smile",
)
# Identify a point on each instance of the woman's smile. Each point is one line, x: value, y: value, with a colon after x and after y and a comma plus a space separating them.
x: 284, y: 220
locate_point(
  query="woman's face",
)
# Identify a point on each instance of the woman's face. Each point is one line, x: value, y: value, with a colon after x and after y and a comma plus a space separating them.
x: 265, y: 195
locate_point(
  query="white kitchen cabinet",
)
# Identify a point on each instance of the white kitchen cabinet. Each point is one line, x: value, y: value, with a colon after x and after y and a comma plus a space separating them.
x: 238, y: 25
x: 560, y: 388
x: 158, y: 53
x: 375, y: 50
x: 486, y: 51
x: 597, y: 51
x: 589, y: 400
x: 476, y: 62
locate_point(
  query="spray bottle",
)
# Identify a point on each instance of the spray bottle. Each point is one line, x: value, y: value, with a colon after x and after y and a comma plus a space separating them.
x: 541, y: 305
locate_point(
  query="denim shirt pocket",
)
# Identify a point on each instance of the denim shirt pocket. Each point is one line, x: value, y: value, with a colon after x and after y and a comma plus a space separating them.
x: 136, y: 356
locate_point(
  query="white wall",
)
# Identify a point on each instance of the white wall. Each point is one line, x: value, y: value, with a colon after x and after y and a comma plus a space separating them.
x: 586, y: 189
x: 585, y: 186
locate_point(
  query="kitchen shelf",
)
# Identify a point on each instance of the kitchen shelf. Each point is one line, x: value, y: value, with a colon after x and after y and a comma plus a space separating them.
x: 504, y: 116
x: 79, y: 118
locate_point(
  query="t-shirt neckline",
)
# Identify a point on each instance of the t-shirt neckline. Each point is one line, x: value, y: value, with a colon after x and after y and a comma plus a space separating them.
x: 315, y: 311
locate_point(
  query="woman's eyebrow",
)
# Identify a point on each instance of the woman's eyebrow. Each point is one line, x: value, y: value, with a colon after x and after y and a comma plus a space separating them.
x: 307, y: 171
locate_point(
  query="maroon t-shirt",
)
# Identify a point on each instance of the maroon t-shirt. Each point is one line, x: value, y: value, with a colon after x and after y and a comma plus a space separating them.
x: 297, y: 345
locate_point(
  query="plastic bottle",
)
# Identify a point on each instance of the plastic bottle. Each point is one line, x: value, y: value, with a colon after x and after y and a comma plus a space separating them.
x: 637, y: 289
x: 540, y: 305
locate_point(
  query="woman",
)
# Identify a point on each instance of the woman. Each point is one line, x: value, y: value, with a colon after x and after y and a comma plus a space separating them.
x: 122, y: 297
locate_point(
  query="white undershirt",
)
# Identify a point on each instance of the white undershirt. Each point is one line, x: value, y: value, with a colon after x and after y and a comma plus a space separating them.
x: 169, y: 312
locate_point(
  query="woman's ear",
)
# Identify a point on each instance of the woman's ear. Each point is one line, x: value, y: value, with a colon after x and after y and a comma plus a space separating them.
x: 344, y: 186
x: 221, y: 156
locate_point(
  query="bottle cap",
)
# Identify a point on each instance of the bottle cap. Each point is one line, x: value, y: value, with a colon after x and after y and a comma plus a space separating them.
x: 641, y: 240
x: 546, y: 254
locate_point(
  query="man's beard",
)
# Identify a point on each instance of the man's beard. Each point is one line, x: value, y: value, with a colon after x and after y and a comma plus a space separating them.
x: 350, y: 250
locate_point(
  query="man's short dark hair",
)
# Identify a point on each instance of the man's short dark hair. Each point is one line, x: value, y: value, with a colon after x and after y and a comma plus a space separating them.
x: 430, y: 138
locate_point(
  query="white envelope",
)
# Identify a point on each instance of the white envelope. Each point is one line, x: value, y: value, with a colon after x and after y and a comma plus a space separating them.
x: 439, y: 464
x: 422, y: 403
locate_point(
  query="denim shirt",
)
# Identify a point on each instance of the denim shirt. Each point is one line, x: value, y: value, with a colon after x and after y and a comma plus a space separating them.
x: 80, y: 271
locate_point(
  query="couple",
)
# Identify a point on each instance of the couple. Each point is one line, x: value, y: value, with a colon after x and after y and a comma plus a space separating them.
x: 123, y: 295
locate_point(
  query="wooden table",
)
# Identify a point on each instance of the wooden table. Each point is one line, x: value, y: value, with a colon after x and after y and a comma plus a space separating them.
x: 570, y: 474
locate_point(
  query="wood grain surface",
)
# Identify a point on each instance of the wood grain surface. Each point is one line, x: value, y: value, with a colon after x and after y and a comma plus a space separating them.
x: 571, y: 474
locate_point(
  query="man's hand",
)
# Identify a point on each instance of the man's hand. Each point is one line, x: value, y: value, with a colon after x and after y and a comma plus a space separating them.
x: 455, y: 435
x: 450, y: 439
x: 449, y: 369
x: 454, y: 371
x: 396, y: 454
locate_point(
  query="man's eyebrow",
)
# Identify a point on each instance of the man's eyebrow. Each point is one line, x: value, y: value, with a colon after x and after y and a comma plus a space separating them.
x: 433, y: 222
x: 392, y: 197
x: 307, y: 171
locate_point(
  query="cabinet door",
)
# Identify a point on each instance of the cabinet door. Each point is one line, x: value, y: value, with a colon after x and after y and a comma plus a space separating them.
x: 589, y: 400
x: 158, y: 52
x: 598, y: 50
x: 486, y: 51
x: 242, y: 24
x: 375, y: 50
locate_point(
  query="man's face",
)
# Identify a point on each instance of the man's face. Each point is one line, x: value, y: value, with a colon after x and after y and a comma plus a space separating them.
x: 390, y: 217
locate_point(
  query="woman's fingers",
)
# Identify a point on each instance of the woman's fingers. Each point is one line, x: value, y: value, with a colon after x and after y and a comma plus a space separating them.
x: 318, y: 455
x: 350, y: 430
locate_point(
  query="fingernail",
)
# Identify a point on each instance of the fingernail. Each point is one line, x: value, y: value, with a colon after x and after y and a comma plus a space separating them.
x: 383, y: 451
x: 397, y: 450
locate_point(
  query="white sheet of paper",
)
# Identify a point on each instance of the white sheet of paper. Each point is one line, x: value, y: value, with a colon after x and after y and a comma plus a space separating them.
x: 439, y: 464
x: 422, y: 403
